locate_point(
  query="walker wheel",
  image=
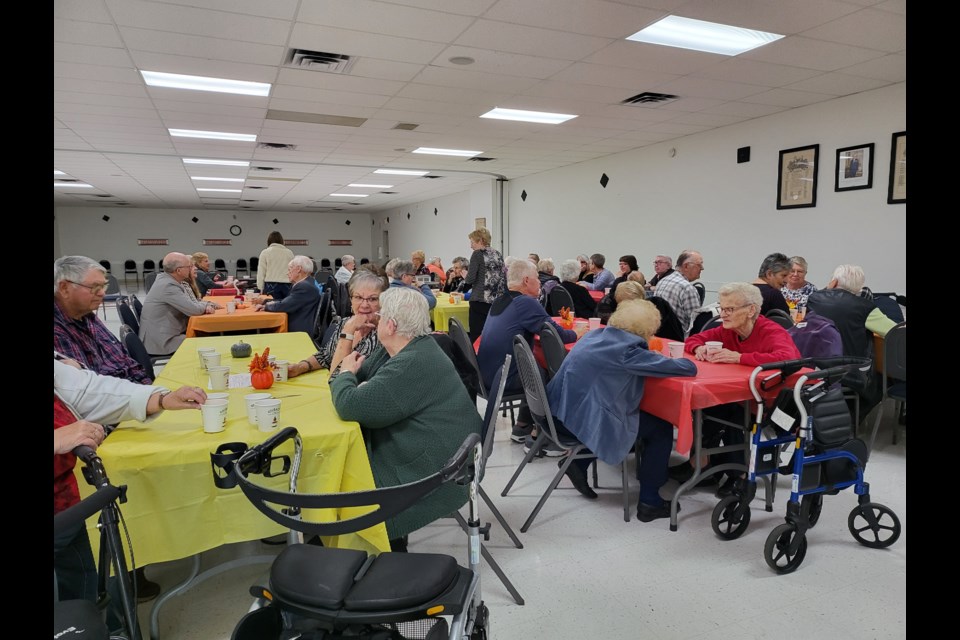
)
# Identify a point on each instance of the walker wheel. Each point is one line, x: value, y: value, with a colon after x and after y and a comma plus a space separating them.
x: 874, y: 525
x: 725, y: 521
x: 777, y: 552
x: 481, y: 624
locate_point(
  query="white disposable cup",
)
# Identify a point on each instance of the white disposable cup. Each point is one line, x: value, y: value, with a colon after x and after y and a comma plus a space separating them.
x: 675, y: 349
x: 713, y: 346
x: 214, y: 414
x: 251, y: 399
x: 606, y: 291
x: 268, y: 414
x: 206, y: 350
x: 218, y: 395
x: 594, y: 323
x: 280, y: 370
x: 271, y: 359
x: 219, y: 376
x: 580, y: 327
x: 232, y: 307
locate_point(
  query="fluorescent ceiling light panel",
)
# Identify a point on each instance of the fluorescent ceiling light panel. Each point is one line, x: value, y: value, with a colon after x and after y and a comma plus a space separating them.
x: 350, y: 195
x: 58, y: 173
x: 225, y: 163
x: 79, y: 185
x: 223, y: 190
x: 447, y: 152
x: 200, y: 83
x: 218, y: 179
x: 686, y: 33
x: 539, y: 117
x: 213, y: 135
x: 401, y: 172
x: 370, y: 186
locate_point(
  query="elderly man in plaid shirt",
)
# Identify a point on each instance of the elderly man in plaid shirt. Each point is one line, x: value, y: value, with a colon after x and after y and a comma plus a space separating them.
x: 677, y: 289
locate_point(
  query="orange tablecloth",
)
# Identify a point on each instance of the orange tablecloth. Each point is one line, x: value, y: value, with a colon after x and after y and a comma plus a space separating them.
x: 241, y: 320
x: 596, y: 295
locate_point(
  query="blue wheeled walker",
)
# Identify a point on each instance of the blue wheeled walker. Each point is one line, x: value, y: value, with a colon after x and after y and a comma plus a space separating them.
x: 324, y: 593
x: 809, y: 435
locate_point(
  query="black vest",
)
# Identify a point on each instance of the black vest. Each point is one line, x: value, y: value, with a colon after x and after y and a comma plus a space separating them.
x: 849, y: 312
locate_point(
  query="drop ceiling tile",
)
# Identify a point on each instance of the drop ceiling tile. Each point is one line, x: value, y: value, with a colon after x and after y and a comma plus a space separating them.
x: 199, y: 22
x: 87, y: 54
x: 807, y: 53
x: 631, y: 80
x: 222, y: 48
x: 604, y: 19
x: 836, y: 84
x: 354, y: 43
x: 510, y: 64
x: 385, y: 18
x: 516, y: 38
x: 338, y: 82
x: 87, y: 33
x: 868, y: 28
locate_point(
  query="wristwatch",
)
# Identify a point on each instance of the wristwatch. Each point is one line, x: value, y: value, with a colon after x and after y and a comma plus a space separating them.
x: 346, y: 336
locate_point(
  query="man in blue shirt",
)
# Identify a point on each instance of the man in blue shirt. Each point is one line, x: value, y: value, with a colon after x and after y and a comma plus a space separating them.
x: 602, y: 278
x: 404, y: 276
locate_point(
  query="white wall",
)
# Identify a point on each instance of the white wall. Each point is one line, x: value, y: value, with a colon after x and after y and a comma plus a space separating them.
x: 701, y: 199
x: 82, y: 231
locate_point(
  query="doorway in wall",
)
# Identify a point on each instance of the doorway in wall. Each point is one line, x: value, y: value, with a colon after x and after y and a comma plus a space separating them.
x: 385, y: 247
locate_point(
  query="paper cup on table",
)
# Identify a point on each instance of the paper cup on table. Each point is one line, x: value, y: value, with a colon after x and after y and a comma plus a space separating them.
x: 232, y: 306
x: 713, y: 346
x: 219, y: 376
x: 675, y: 349
x: 580, y: 327
x: 214, y: 414
x: 268, y: 414
x: 203, y: 351
x: 280, y: 370
x: 594, y: 323
x: 251, y: 400
x: 218, y: 395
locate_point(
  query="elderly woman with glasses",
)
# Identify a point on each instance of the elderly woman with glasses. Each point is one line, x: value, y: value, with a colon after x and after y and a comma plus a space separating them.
x: 796, y: 289
x: 353, y: 333
x: 747, y: 338
x: 411, y: 423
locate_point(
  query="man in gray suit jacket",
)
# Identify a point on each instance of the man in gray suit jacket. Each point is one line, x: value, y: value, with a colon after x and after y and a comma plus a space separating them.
x: 167, y: 307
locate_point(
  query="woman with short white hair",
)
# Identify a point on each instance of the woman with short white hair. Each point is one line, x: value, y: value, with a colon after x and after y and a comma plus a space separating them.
x: 411, y: 405
x: 583, y: 303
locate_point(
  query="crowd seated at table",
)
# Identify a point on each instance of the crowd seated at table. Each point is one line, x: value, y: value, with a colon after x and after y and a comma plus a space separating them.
x: 168, y: 307
x: 584, y: 306
x: 300, y: 304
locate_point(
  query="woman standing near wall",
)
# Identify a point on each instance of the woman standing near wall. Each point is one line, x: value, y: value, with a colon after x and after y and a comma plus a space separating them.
x: 272, y: 271
x: 485, y: 277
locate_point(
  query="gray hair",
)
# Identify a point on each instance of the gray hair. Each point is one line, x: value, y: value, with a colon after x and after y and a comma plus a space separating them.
x: 363, y: 278
x: 569, y: 270
x: 518, y: 270
x: 849, y: 277
x: 798, y: 261
x: 460, y: 261
x: 666, y: 259
x: 747, y: 292
x: 391, y: 267
x: 546, y: 265
x: 73, y: 268
x: 348, y: 259
x: 408, y: 309
x: 402, y: 268
x: 775, y: 263
x: 304, y: 262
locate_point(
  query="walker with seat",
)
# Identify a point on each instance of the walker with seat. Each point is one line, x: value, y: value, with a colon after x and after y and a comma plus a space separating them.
x: 324, y: 593
x: 809, y: 435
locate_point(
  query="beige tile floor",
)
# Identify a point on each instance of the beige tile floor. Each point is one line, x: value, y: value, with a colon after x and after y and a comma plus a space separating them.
x: 585, y: 573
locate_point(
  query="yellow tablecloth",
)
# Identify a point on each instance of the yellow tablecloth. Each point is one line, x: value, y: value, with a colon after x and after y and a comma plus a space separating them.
x: 174, y: 510
x: 442, y: 313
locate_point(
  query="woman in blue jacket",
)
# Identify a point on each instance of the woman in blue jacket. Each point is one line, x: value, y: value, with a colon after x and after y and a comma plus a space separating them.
x: 596, y: 395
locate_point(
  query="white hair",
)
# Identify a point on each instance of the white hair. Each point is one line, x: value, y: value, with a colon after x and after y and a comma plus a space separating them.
x: 304, y: 262
x: 408, y: 309
x: 849, y: 277
x: 569, y: 270
x: 518, y: 270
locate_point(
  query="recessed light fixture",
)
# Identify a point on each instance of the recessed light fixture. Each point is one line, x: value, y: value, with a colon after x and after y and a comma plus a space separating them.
x: 225, y: 163
x: 217, y: 179
x: 201, y: 83
x: 369, y: 186
x: 447, y: 152
x: 712, y: 37
x: 79, y: 185
x: 58, y: 173
x: 223, y: 190
x: 350, y: 195
x: 213, y: 135
x: 401, y: 172
x: 539, y: 117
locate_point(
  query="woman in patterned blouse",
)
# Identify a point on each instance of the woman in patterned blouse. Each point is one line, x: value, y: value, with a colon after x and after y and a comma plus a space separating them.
x: 354, y: 333
x: 796, y: 289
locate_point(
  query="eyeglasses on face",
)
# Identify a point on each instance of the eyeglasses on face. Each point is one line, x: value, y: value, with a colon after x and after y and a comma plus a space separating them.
x: 725, y: 311
x: 370, y: 300
x: 660, y: 262
x: 94, y: 288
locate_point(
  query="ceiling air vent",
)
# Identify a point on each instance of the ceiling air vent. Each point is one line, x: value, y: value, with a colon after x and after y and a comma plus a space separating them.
x: 648, y: 97
x: 319, y: 61
x: 276, y: 145
x: 481, y: 159
x: 405, y: 126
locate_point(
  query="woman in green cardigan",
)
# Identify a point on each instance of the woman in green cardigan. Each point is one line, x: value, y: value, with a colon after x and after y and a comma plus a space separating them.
x: 412, y: 406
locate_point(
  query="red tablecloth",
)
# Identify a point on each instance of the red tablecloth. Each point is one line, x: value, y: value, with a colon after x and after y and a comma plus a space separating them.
x: 596, y: 295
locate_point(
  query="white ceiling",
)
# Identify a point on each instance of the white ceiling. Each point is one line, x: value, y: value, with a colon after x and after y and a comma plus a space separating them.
x: 568, y: 56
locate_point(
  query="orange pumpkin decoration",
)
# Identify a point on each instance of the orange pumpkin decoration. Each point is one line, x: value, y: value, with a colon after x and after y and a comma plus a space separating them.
x: 566, y: 318
x: 261, y: 371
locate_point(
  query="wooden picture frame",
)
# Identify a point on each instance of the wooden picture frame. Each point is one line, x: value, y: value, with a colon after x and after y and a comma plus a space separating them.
x: 897, y: 189
x: 797, y: 177
x: 854, y: 169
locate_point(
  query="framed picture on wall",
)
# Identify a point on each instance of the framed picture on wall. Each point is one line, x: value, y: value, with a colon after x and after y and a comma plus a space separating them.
x: 479, y: 223
x: 797, y: 178
x: 897, y: 191
x: 854, y: 168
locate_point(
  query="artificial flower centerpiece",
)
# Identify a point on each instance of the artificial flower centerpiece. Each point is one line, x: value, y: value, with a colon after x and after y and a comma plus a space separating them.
x: 261, y: 370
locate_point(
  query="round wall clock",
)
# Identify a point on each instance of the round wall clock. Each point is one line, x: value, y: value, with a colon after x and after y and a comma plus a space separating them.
x: 235, y: 230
